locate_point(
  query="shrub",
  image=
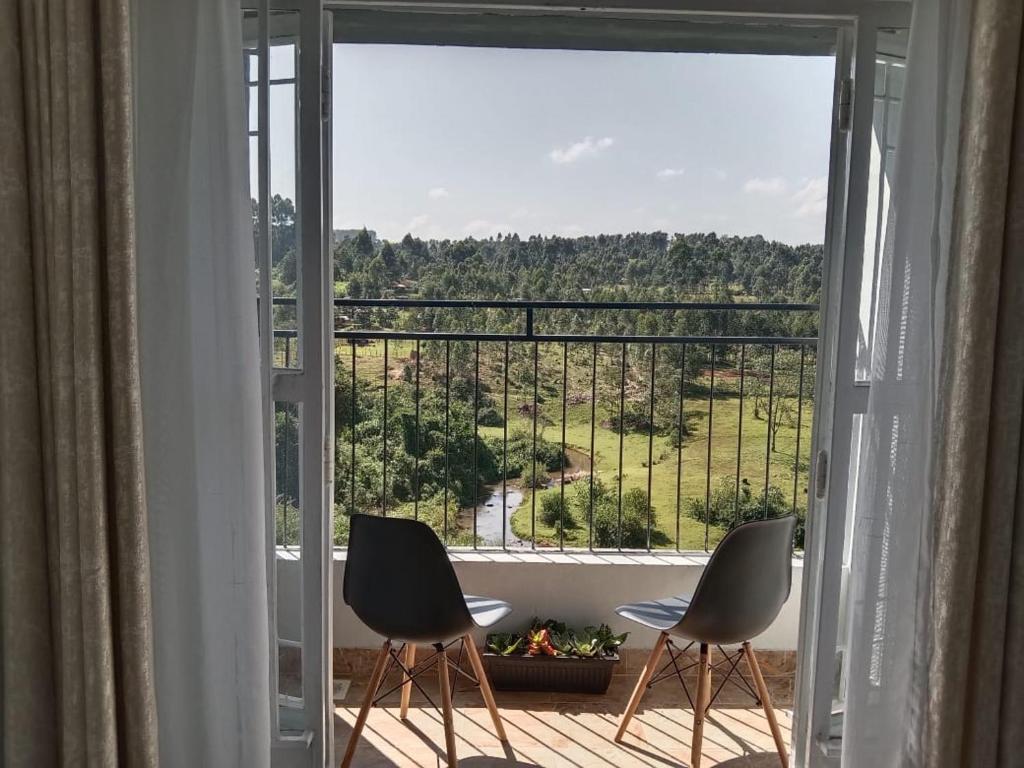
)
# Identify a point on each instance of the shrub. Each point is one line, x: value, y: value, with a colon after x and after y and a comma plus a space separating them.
x: 490, y: 417
x: 555, y: 511
x: 722, y: 509
x: 537, y: 477
x: 605, y: 525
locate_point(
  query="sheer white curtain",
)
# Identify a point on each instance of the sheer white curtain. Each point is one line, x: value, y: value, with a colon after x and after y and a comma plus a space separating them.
x: 890, y: 570
x: 201, y: 390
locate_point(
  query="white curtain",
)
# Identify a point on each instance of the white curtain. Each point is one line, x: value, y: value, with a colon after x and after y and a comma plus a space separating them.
x: 201, y: 388
x: 890, y: 569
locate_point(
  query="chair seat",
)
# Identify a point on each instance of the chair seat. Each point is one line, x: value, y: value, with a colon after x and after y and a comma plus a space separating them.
x: 661, y: 614
x: 487, y: 611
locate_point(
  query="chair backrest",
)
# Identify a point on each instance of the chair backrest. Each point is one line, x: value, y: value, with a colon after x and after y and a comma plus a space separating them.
x: 745, y: 584
x: 400, y: 583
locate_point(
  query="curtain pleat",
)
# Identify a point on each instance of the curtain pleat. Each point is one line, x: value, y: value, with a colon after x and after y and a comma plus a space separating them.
x: 77, y: 680
x: 974, y: 703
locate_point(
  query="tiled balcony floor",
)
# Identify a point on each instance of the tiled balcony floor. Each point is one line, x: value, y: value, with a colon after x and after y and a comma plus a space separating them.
x: 554, y: 730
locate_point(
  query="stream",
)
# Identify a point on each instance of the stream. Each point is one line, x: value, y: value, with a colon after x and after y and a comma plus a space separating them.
x: 488, y: 513
x: 488, y: 519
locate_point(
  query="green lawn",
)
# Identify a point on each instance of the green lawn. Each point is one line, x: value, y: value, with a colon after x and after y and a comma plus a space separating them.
x: 724, y: 424
x: 663, y: 474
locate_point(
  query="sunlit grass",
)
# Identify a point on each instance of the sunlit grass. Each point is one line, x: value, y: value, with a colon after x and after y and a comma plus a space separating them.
x: 729, y: 450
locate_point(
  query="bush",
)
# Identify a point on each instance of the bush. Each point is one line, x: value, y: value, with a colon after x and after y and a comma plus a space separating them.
x: 554, y: 510
x: 634, y: 519
x: 605, y: 523
x: 537, y: 477
x: 635, y: 418
x: 723, y: 510
x: 604, y: 526
x: 520, y: 455
x: 490, y: 417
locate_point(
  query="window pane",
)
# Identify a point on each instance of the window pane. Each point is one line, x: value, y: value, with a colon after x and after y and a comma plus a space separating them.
x: 288, y: 536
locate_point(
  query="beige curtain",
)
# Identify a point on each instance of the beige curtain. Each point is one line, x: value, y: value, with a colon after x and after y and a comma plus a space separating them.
x: 974, y: 710
x: 76, y: 680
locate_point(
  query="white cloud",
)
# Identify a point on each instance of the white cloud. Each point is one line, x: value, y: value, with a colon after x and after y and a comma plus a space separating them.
x: 571, y: 230
x: 772, y: 187
x: 670, y: 173
x: 478, y: 227
x: 812, y: 198
x: 719, y: 174
x: 417, y: 222
x: 586, y: 147
x: 437, y: 193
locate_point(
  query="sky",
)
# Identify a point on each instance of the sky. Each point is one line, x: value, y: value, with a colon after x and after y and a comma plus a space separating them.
x: 454, y: 142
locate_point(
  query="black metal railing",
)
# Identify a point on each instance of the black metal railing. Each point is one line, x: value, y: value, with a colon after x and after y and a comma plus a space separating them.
x: 653, y: 400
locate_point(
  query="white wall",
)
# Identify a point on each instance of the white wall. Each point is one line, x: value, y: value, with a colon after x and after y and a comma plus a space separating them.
x: 579, y: 589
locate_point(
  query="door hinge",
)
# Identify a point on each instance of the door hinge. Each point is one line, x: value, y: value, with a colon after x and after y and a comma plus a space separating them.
x: 821, y: 474
x: 845, y: 103
x: 325, y: 94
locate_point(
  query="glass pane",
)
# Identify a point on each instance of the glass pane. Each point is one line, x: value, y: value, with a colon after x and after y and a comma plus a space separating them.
x: 288, y: 537
x: 282, y: 59
x: 254, y: 106
x: 282, y: 171
x: 284, y: 243
x: 890, y: 69
x: 285, y: 250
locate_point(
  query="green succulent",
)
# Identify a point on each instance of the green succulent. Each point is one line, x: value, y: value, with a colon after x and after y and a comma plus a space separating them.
x: 504, y: 643
x: 609, y: 640
x: 562, y: 642
x: 587, y: 645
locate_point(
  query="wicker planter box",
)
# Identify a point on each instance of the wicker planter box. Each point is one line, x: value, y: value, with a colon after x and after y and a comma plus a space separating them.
x: 562, y: 674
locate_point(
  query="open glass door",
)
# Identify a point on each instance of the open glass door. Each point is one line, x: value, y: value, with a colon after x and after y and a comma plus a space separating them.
x: 287, y: 80
x: 864, y: 153
x: 283, y: 58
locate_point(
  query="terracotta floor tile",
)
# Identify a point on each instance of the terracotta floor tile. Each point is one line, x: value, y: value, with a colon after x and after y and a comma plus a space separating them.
x: 561, y: 731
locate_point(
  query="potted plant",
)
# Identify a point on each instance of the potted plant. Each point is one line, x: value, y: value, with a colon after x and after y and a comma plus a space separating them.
x: 549, y: 656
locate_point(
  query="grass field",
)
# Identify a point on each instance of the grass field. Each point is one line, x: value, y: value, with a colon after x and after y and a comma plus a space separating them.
x: 703, y: 413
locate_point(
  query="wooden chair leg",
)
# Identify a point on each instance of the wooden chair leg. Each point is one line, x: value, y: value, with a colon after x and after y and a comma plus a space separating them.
x: 485, y: 685
x: 446, y: 708
x: 641, y: 685
x: 700, y: 704
x: 410, y: 662
x: 371, y: 690
x: 766, y: 702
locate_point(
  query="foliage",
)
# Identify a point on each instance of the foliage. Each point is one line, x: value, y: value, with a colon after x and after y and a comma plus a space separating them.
x: 556, y: 512
x: 605, y: 522
x: 504, y: 643
x: 594, y: 641
x: 538, y: 642
x: 554, y: 638
x: 635, y: 267
x: 725, y: 509
x: 638, y: 266
x: 536, y: 477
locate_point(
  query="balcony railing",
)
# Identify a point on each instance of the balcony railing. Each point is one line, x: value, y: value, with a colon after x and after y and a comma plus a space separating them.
x: 618, y: 437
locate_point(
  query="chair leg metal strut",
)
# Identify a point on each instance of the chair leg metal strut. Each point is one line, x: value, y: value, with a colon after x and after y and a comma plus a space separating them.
x: 703, y: 699
x: 404, y: 658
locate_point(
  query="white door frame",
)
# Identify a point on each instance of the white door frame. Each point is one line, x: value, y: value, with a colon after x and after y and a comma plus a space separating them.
x: 837, y: 398
x: 841, y: 398
x: 306, y: 386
